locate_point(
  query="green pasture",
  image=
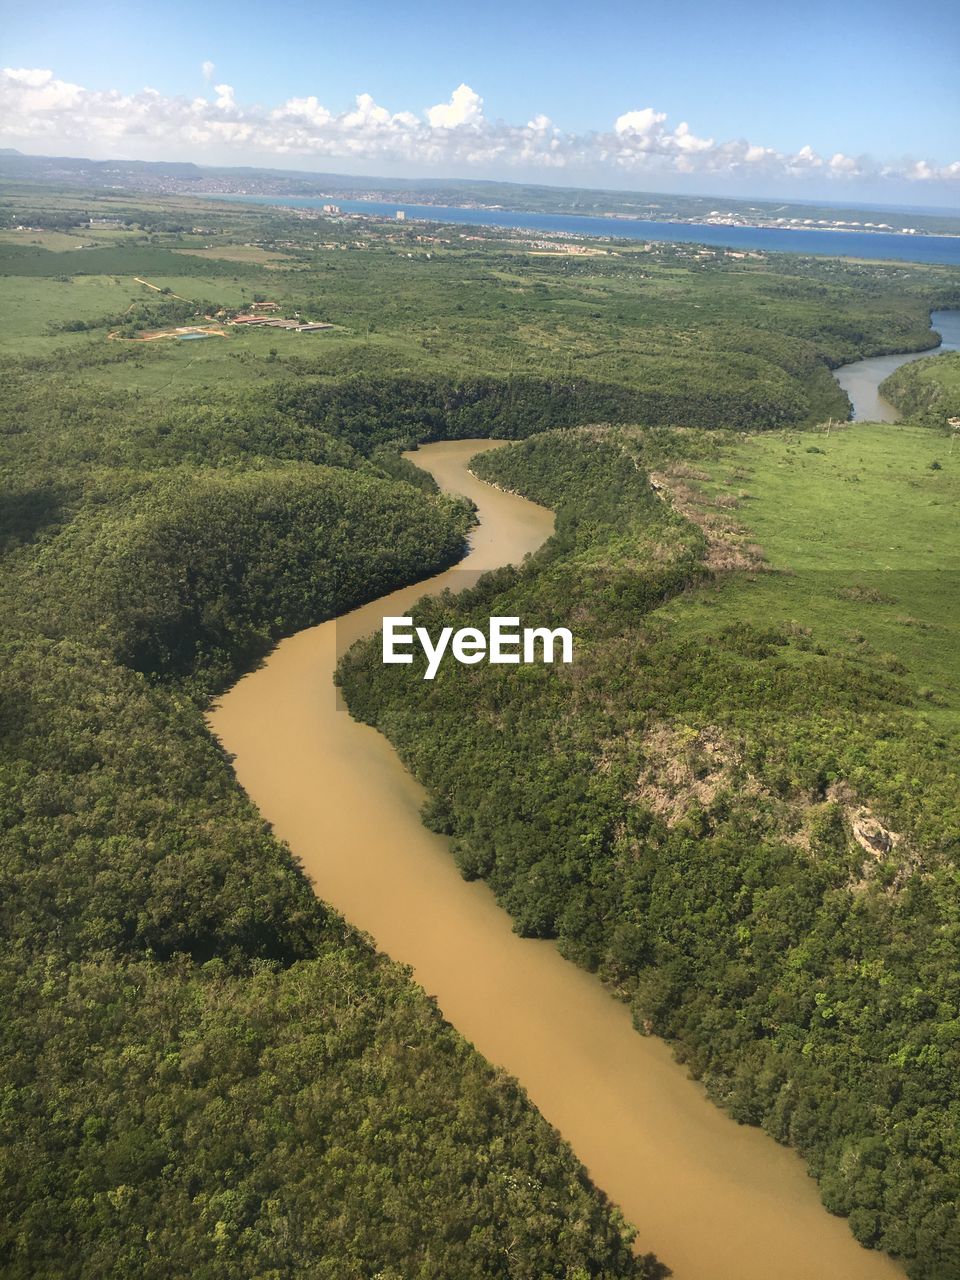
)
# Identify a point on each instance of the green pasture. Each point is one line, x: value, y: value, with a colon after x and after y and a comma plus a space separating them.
x: 30, y: 305
x: 860, y: 532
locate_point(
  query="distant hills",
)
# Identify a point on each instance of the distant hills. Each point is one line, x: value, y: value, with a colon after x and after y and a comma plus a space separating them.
x: 188, y: 179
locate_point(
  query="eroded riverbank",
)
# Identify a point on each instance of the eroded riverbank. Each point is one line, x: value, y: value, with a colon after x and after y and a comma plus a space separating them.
x: 715, y: 1200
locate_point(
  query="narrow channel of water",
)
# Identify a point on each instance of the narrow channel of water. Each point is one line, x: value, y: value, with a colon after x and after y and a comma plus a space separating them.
x: 861, y: 379
x: 715, y: 1200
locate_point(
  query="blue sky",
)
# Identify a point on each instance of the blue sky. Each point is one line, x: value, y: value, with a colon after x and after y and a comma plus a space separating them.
x: 871, y: 89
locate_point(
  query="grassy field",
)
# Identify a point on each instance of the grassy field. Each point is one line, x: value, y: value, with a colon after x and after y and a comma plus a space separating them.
x: 55, y: 241
x: 242, y: 253
x: 244, y: 356
x: 436, y: 300
x: 859, y: 529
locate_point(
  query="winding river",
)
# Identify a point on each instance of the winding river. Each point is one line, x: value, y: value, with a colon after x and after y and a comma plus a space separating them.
x: 714, y: 1199
x: 861, y: 379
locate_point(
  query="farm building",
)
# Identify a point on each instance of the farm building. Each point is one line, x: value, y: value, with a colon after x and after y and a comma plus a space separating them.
x: 273, y: 322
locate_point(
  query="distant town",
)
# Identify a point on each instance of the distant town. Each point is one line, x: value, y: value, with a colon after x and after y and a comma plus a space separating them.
x: 160, y: 178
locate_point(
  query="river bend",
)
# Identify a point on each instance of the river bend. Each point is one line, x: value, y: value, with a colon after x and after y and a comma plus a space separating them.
x: 714, y: 1199
x: 861, y: 379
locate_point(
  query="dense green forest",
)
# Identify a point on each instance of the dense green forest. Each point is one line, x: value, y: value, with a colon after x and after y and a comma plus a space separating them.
x: 199, y: 574
x: 205, y: 1068
x: 678, y: 811
x: 926, y: 391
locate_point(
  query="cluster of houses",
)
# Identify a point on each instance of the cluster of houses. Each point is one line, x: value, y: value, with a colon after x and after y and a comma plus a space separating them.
x: 261, y: 314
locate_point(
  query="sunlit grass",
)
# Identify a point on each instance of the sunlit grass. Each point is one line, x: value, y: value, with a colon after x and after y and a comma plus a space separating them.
x: 860, y: 530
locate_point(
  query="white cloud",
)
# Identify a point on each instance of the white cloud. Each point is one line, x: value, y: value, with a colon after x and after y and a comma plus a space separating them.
x: 844, y: 166
x: 464, y: 107
x: 33, y: 78
x: 921, y: 171
x: 366, y: 113
x: 687, y: 141
x: 805, y: 161
x: 37, y: 90
x: 639, y: 122
x: 37, y: 107
x: 307, y: 110
x: 207, y: 69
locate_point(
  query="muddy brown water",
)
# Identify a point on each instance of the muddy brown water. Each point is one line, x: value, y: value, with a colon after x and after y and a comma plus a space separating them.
x: 715, y: 1200
x: 861, y: 381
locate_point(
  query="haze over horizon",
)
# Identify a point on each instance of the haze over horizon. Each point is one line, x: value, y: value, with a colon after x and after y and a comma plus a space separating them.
x: 732, y: 102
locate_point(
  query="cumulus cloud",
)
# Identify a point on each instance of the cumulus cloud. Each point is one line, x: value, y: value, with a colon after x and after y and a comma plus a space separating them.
x: 38, y: 107
x: 464, y: 107
x: 687, y: 141
x: 803, y: 163
x: 309, y: 111
x: 207, y: 69
x: 35, y: 90
x: 639, y: 123
x: 33, y: 78
x: 845, y: 166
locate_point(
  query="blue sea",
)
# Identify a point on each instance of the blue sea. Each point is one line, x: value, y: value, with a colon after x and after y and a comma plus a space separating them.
x: 848, y: 244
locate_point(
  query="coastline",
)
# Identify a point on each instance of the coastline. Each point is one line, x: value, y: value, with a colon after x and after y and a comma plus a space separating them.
x: 840, y: 242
